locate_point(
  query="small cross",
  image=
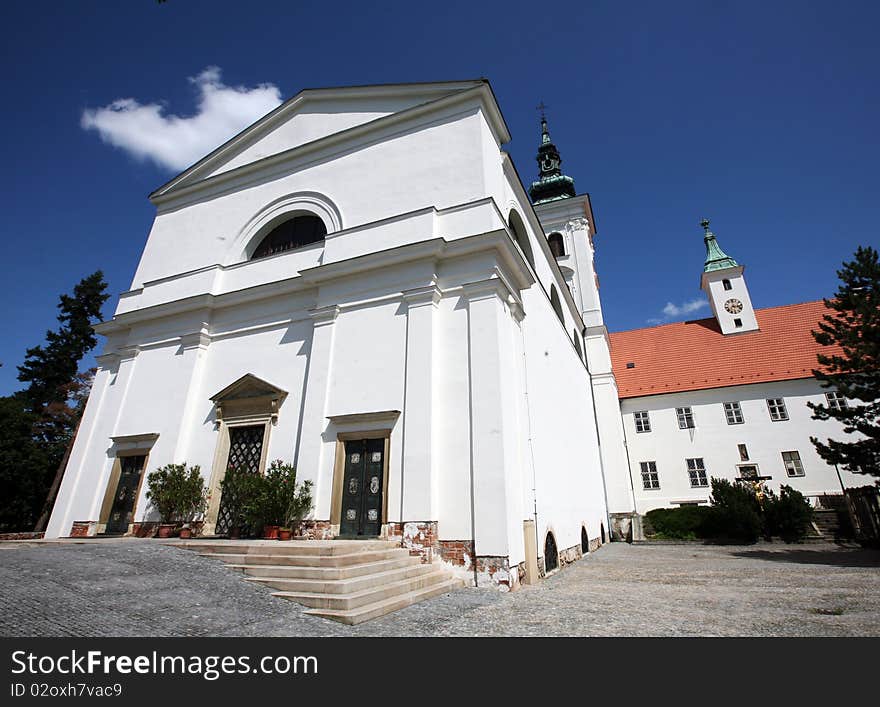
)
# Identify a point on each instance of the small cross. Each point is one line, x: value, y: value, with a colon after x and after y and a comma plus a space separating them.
x: 541, y: 108
x: 705, y: 224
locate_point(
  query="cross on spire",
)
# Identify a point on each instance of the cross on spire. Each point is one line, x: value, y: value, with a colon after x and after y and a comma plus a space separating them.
x: 705, y: 224
x: 541, y: 107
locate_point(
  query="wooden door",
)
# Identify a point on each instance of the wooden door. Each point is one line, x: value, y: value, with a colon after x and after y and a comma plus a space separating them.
x: 363, y: 491
x: 131, y: 470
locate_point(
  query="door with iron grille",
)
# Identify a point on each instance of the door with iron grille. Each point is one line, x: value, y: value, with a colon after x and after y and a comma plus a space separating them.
x: 363, y: 490
x: 131, y: 470
x: 245, y: 452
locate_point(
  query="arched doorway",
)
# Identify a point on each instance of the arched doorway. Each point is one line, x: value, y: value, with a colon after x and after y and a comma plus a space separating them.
x: 585, y: 541
x: 602, y: 532
x: 551, y: 554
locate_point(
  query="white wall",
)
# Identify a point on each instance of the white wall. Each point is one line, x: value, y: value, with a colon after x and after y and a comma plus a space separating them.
x: 716, y: 441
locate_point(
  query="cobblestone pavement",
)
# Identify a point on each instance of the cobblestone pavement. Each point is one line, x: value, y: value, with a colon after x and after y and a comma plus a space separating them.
x: 144, y: 588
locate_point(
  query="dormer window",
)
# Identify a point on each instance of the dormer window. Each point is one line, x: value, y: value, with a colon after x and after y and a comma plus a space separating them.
x: 294, y: 233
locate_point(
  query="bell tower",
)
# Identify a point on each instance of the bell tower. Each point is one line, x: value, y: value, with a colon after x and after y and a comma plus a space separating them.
x: 725, y: 286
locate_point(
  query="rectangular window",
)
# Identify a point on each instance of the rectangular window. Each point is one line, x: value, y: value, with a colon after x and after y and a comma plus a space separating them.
x: 734, y: 413
x: 792, y: 462
x: 685, y: 418
x: 643, y: 422
x: 697, y: 472
x: 650, y: 479
x: 776, y: 406
x: 727, y: 285
x: 836, y: 401
x: 743, y: 452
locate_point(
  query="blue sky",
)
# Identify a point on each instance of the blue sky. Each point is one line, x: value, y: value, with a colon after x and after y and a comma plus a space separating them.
x: 759, y: 115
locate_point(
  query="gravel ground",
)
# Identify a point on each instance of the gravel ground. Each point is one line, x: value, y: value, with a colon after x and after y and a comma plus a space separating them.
x: 144, y: 588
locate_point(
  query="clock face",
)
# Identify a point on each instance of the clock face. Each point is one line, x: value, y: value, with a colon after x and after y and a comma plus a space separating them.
x: 734, y: 306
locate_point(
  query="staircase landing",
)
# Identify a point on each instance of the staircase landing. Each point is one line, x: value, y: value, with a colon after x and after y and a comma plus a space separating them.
x: 350, y: 581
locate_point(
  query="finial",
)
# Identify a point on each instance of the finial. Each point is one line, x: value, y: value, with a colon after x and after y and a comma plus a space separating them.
x: 541, y: 107
x: 705, y: 224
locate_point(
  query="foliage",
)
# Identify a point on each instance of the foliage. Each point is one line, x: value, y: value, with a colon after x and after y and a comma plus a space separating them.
x: 177, y: 492
x: 239, y: 489
x: 787, y: 515
x: 25, y: 464
x: 39, y: 422
x: 684, y: 523
x: 48, y: 369
x: 279, y: 500
x: 734, y: 514
x: 854, y: 325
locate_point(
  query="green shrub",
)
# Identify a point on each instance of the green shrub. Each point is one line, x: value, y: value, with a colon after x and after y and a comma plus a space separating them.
x: 239, y: 489
x: 684, y: 523
x: 735, y: 513
x: 787, y: 515
x: 177, y: 492
x: 279, y: 500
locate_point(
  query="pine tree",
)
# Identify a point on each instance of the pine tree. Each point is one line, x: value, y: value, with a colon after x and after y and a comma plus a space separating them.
x: 854, y: 372
x: 39, y: 423
x: 51, y: 368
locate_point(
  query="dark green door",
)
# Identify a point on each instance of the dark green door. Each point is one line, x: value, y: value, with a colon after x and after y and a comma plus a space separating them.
x: 362, y: 488
x: 126, y: 494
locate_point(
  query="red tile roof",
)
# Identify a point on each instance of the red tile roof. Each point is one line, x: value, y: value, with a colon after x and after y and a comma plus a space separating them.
x: 695, y: 355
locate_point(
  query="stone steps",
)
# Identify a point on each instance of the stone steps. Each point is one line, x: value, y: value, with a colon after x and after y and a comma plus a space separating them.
x: 386, y: 606
x: 325, y: 573
x: 350, y: 581
x: 348, y: 585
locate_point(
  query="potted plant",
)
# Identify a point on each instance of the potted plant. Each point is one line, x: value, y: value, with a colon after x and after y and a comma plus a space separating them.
x: 280, y: 502
x: 177, y: 492
x: 239, y: 490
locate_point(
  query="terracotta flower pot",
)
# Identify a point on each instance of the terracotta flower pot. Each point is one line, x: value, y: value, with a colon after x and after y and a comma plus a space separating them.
x: 165, y: 530
x: 284, y: 533
x: 270, y: 532
x: 186, y: 533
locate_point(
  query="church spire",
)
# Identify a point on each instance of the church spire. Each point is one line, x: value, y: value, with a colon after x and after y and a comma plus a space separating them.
x: 716, y: 259
x: 551, y: 184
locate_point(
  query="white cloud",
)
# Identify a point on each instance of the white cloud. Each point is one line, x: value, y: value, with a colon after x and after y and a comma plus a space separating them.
x: 672, y: 311
x: 174, y: 141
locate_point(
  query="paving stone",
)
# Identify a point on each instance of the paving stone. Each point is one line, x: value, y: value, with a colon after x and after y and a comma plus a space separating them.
x: 146, y: 588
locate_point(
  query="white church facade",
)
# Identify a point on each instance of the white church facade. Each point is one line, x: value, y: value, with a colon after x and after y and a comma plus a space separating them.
x: 359, y: 284
x: 725, y: 397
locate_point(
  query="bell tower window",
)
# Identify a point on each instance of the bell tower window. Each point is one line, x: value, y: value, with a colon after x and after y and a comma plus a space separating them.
x: 294, y: 233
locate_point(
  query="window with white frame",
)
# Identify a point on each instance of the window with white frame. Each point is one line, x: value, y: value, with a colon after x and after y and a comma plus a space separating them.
x: 650, y: 479
x: 643, y: 422
x: 734, y: 413
x: 776, y: 406
x: 792, y: 462
x: 685, y: 418
x: 835, y: 400
x: 697, y: 472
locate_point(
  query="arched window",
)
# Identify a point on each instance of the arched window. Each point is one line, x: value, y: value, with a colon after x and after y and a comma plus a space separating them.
x: 551, y: 554
x: 727, y: 285
x: 577, y: 343
x: 557, y: 245
x: 585, y: 541
x: 555, y: 303
x: 521, y: 236
x: 294, y: 233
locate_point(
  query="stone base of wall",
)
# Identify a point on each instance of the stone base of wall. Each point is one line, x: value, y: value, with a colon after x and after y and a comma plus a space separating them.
x: 419, y: 537
x: 21, y: 536
x: 314, y: 530
x: 491, y: 570
x: 84, y: 529
x: 595, y: 544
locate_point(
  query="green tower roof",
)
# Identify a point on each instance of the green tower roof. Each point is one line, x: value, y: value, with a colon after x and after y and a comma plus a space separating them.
x: 716, y: 259
x: 551, y: 184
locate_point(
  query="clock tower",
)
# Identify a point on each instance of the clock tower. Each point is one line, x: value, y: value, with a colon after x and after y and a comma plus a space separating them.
x: 725, y: 286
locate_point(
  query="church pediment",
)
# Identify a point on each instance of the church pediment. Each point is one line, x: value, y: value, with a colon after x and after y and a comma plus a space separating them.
x: 309, y: 117
x: 248, y: 396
